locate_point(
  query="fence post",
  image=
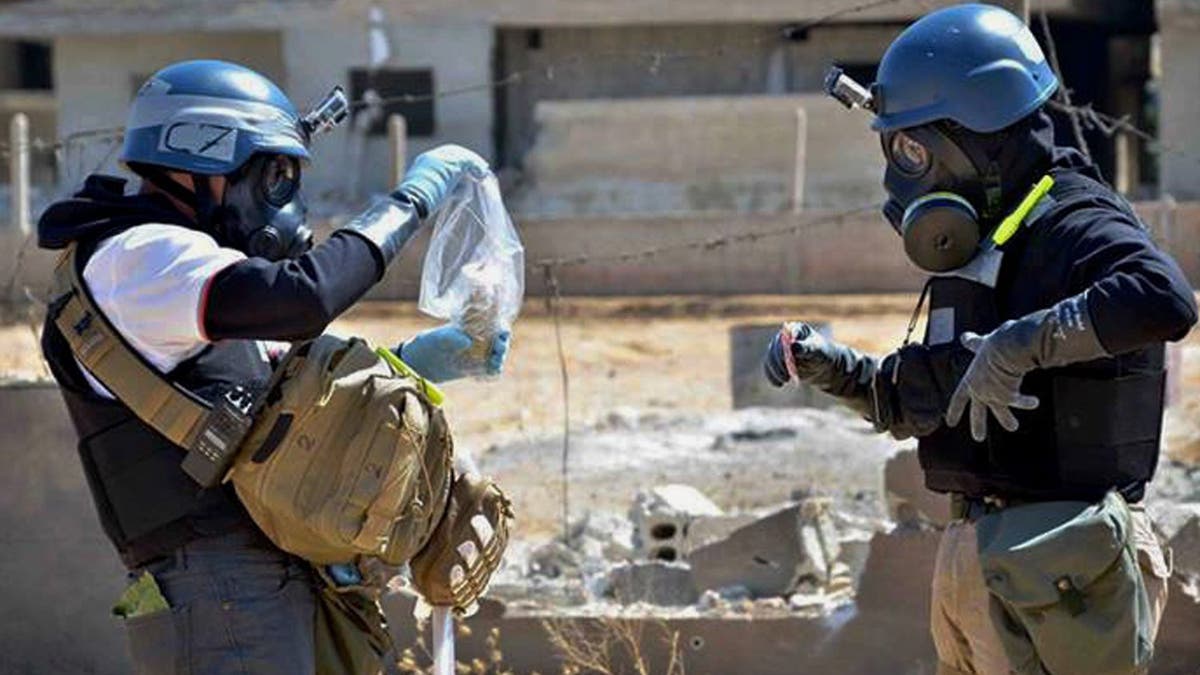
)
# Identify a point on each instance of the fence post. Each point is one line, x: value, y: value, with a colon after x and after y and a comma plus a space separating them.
x: 398, y: 146
x: 796, y: 199
x: 18, y: 172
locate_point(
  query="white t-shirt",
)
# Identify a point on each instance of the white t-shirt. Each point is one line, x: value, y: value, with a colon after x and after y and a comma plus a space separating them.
x: 151, y: 282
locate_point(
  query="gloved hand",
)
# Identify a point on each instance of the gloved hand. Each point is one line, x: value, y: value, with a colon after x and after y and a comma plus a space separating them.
x: 467, y: 545
x: 440, y: 354
x: 434, y: 174
x: 1048, y: 338
x: 800, y: 351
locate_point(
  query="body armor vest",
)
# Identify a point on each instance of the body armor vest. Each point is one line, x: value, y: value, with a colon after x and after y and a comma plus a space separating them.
x: 1098, y: 423
x: 147, y: 504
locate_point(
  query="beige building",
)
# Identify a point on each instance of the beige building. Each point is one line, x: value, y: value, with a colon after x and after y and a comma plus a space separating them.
x: 554, y: 65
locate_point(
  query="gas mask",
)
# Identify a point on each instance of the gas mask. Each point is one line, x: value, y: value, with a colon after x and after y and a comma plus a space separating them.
x: 943, y: 195
x: 263, y: 213
x: 939, y: 200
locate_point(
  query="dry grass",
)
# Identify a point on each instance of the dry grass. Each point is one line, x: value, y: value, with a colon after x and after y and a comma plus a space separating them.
x: 613, y: 646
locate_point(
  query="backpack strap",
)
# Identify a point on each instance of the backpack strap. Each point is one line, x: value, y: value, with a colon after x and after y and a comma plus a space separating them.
x: 182, y: 417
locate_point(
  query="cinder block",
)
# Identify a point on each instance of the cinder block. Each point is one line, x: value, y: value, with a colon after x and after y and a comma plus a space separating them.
x: 1179, y: 525
x: 748, y: 344
x: 661, y: 518
x: 909, y: 502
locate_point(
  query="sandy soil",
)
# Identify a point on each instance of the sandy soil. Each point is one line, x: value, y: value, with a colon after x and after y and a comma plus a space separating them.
x: 660, y: 353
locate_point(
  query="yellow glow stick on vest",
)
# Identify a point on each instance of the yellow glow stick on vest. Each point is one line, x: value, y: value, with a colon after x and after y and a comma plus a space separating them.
x: 1009, y: 226
x: 434, y: 394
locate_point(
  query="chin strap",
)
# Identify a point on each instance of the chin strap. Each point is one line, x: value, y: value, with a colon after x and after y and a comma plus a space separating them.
x: 206, y: 204
x: 202, y: 201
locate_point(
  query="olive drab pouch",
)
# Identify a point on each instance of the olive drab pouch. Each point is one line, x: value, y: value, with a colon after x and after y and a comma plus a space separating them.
x: 350, y: 632
x: 348, y: 456
x: 1067, y: 591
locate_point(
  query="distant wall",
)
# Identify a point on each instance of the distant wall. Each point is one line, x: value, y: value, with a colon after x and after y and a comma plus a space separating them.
x: 686, y: 59
x: 697, y: 154
x: 1179, y: 46
x: 828, y: 255
x: 320, y: 51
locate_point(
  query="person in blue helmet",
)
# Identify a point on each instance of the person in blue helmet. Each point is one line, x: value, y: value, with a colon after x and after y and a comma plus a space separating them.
x: 208, y: 271
x: 1036, y: 395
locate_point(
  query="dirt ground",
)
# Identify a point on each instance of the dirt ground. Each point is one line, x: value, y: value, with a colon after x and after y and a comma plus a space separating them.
x: 666, y: 355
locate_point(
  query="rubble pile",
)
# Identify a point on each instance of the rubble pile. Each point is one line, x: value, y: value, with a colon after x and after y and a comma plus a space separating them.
x: 678, y: 552
x: 675, y: 552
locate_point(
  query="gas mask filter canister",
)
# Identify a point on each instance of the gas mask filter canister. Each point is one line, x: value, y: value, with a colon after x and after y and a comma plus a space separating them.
x: 941, y: 228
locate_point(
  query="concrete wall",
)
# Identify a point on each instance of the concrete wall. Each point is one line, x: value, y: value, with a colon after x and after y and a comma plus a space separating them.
x: 95, y: 80
x: 1179, y: 42
x: 857, y: 253
x: 319, y: 54
x: 87, y: 16
x: 649, y: 61
x: 697, y: 154
x: 676, y: 155
x: 58, y: 575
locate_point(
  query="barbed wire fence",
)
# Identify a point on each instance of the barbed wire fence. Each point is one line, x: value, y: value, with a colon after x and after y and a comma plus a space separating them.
x: 71, y: 149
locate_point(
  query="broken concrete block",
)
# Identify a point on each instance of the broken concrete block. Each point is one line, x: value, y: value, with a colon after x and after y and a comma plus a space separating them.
x: 772, y: 555
x: 661, y: 518
x: 899, y: 572
x: 654, y: 582
x: 1177, y: 650
x: 909, y: 502
x: 748, y: 343
x: 1179, y: 525
x: 601, y: 534
x: 553, y: 560
x: 707, y: 529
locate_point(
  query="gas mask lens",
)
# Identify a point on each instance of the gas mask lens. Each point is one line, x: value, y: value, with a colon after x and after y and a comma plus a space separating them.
x: 280, y: 180
x: 907, y: 154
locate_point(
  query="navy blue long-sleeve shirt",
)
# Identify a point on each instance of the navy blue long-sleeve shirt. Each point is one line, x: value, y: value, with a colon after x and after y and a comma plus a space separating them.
x: 1138, y: 294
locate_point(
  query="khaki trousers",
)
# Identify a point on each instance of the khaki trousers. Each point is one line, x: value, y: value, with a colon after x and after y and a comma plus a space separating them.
x: 966, y: 639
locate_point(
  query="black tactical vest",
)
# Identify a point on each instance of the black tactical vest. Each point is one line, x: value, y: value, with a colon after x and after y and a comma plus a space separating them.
x: 146, y: 503
x: 1098, y: 423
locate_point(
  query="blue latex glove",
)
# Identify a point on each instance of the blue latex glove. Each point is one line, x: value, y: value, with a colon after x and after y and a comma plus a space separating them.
x: 434, y: 175
x: 439, y: 354
x: 345, y: 574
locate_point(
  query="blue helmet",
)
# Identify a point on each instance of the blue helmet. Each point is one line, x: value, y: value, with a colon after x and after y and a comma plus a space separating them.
x: 977, y: 65
x: 209, y: 118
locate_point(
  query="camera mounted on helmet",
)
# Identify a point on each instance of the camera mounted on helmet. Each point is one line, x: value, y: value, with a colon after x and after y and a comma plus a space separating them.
x: 847, y: 91
x: 330, y: 112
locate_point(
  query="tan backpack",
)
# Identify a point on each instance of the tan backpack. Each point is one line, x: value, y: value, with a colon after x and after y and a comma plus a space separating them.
x: 347, y: 456
x: 346, y: 453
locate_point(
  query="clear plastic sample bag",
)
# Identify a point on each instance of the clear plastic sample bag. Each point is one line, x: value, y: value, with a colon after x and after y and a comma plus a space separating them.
x: 474, y: 271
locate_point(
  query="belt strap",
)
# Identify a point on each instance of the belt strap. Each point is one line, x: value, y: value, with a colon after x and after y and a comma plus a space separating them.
x: 169, y: 409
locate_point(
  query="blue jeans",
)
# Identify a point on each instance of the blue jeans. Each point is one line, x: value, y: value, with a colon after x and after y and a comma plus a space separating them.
x: 237, y: 605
